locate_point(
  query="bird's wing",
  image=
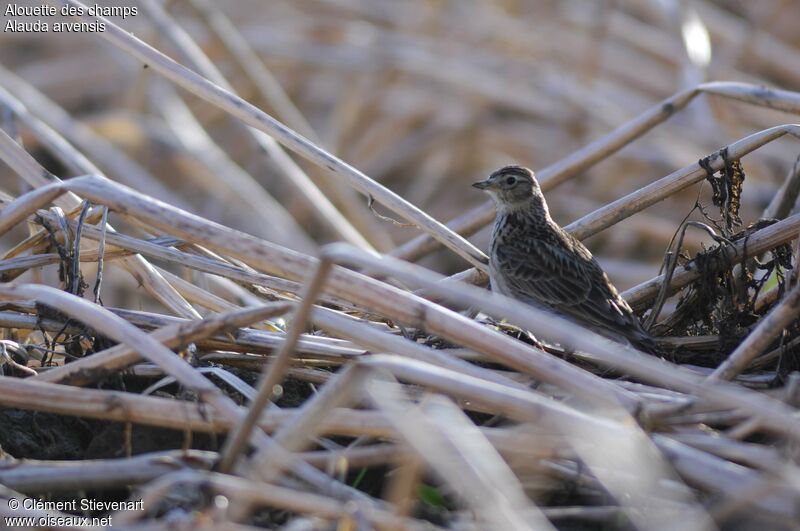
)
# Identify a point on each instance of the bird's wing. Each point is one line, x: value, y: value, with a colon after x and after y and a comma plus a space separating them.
x: 572, y: 283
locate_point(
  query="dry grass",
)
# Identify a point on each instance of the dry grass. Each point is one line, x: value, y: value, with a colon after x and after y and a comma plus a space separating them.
x: 215, y: 355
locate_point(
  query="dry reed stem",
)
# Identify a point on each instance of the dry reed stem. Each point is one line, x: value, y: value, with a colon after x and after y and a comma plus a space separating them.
x: 91, y: 474
x: 273, y: 94
x: 273, y: 373
x: 377, y: 341
x: 28, y: 394
x: 79, y: 371
x: 154, y: 249
x: 27, y: 168
x: 267, y: 216
x: 197, y: 295
x: 246, y: 340
x: 401, y: 492
x: 56, y: 125
x: 18, y: 211
x: 257, y: 119
x: 690, y: 423
x: 196, y: 59
x: 39, y: 240
x: 639, y: 200
x: 268, y: 86
x: 451, y: 445
x: 36, y: 476
x: 63, y: 150
x: 689, y: 463
x: 785, y: 198
x: 768, y: 329
x: 108, y: 405
x: 708, y: 472
x: 346, y: 386
x: 116, y: 406
x: 253, y: 494
x: 524, y: 406
x: 14, y: 267
x: 120, y: 330
x: 342, y: 389
x: 618, y: 356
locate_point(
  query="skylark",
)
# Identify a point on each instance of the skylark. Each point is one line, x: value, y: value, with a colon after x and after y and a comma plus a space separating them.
x: 535, y: 261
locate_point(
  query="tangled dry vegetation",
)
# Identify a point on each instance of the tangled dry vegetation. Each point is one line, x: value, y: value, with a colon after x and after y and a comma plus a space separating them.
x: 209, y: 357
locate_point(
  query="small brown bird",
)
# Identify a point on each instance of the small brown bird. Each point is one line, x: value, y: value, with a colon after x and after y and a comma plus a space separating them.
x: 535, y: 261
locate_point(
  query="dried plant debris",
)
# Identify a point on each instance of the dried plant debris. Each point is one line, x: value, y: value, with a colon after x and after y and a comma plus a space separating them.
x: 723, y: 299
x: 726, y: 186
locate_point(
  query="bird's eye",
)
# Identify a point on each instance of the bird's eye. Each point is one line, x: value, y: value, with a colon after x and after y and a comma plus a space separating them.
x: 511, y: 180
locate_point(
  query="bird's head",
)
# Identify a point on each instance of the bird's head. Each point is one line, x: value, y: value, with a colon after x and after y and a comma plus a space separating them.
x: 511, y: 186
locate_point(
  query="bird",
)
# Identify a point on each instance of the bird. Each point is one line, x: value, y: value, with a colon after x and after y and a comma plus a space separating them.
x: 533, y: 260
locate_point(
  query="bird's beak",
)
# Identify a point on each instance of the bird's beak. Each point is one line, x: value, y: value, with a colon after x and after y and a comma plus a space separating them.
x: 482, y: 185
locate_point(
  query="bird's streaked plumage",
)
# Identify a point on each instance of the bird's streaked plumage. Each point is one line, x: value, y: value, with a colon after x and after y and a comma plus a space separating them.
x: 534, y: 260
